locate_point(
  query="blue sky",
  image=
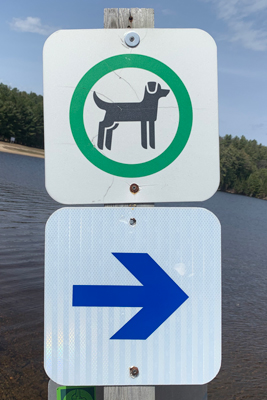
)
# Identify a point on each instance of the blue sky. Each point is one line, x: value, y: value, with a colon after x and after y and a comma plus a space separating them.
x: 238, y: 26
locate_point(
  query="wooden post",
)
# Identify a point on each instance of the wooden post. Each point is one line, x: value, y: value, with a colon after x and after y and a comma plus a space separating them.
x: 115, y: 18
x: 131, y: 18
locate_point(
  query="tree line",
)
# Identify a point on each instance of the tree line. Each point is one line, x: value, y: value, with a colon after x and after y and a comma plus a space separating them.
x: 243, y: 166
x: 243, y: 162
x: 21, y: 117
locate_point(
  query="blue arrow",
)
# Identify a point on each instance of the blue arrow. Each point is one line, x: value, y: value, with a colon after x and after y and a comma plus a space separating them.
x: 159, y: 296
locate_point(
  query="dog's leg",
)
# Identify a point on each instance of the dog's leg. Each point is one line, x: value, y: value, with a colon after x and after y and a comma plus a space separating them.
x: 109, y: 136
x: 143, y: 135
x: 101, y: 134
x: 152, y: 134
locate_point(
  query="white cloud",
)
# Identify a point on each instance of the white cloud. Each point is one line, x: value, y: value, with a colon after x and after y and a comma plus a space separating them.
x: 246, y: 20
x: 245, y: 73
x: 257, y: 75
x: 167, y: 11
x: 31, y: 24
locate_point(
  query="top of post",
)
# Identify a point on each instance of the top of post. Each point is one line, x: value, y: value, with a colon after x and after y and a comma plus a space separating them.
x: 115, y: 18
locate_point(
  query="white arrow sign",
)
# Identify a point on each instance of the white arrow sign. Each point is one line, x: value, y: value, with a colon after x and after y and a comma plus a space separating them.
x: 132, y: 287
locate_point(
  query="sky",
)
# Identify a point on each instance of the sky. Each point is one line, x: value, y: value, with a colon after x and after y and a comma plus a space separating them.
x: 238, y: 26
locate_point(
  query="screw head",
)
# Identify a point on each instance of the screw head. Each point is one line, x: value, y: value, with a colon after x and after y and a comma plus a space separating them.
x: 132, y: 39
x: 132, y: 221
x: 134, y: 188
x: 134, y: 372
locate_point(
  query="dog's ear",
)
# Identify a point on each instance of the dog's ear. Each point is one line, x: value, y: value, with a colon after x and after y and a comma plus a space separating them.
x: 152, y: 87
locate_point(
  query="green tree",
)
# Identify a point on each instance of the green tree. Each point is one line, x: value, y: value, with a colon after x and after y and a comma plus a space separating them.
x: 243, y: 166
x: 21, y: 115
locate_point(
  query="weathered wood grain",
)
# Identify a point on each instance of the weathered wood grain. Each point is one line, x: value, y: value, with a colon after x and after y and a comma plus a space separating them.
x: 142, y: 17
x: 111, y: 18
x: 129, y: 393
x: 115, y: 18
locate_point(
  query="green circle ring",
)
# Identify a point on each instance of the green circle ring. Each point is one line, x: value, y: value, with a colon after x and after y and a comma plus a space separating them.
x: 85, y: 145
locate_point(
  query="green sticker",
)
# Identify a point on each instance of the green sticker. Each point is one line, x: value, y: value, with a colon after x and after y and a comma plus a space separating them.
x: 96, y: 157
x: 76, y: 393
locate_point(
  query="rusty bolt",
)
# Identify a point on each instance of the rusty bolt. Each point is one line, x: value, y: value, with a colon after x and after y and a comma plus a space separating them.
x: 134, y: 372
x: 134, y: 188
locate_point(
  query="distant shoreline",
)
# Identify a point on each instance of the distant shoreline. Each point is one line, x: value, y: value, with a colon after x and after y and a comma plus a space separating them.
x: 21, y: 150
x: 11, y: 148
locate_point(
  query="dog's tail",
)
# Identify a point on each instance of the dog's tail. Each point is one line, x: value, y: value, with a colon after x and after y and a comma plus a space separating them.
x: 100, y: 103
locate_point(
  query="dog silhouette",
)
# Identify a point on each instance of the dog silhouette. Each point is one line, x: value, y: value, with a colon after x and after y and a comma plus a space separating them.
x: 144, y: 111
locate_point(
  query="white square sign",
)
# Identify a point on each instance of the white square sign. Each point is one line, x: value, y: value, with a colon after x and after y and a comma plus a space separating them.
x: 131, y: 124
x: 132, y: 289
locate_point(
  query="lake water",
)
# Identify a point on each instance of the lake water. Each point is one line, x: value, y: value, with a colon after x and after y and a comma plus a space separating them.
x: 24, y: 209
